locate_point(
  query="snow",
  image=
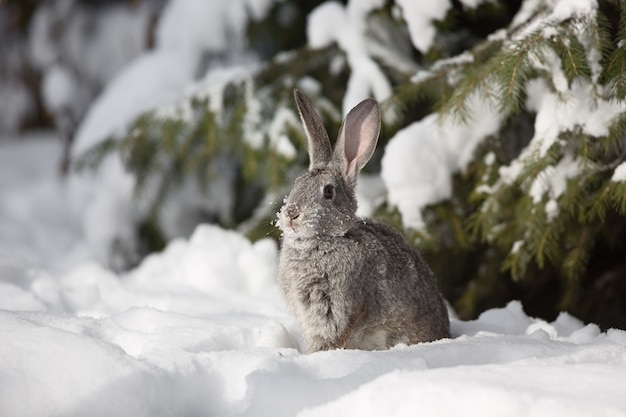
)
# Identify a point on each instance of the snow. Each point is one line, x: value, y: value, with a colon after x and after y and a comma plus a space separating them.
x: 370, y: 193
x: 201, y: 329
x: 323, y: 22
x: 151, y: 80
x: 33, y: 207
x: 415, y: 172
x: 99, y: 44
x: 553, y: 180
x: 170, y: 347
x: 516, y: 246
x: 473, y: 3
x: 491, y: 393
x: 104, y: 205
x: 619, y: 174
x: 552, y: 209
x: 283, y: 118
x: 346, y: 25
x: 419, y: 17
x: 551, y: 63
x: 79, y: 48
x: 419, y: 160
x: 57, y: 88
x: 209, y: 26
x: 534, y: 14
x: 15, y: 104
x: 575, y: 108
x: 566, y: 9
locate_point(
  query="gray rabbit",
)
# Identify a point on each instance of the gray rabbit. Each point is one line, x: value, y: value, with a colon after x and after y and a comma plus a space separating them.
x: 351, y: 283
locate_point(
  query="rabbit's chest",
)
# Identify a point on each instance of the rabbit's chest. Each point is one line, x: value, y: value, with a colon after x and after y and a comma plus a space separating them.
x: 318, y: 274
x: 320, y: 287
x: 332, y: 261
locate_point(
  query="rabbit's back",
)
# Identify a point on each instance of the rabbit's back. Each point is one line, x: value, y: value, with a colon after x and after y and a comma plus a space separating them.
x: 404, y: 300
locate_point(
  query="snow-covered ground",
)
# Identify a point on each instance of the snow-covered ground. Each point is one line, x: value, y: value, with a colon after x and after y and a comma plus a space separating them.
x: 37, y: 225
x: 201, y: 329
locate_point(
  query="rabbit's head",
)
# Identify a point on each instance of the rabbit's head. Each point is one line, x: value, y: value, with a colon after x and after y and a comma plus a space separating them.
x: 322, y: 201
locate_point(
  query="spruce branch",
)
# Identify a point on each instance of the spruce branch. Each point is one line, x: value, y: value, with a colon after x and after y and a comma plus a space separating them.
x: 514, y: 68
x: 600, y: 204
x: 614, y: 72
x: 546, y: 244
x: 516, y: 262
x: 573, y: 56
x: 618, y: 197
x: 614, y: 75
x: 575, y: 262
x: 93, y: 157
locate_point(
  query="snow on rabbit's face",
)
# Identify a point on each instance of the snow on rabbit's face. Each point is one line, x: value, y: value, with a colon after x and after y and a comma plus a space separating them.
x: 320, y: 204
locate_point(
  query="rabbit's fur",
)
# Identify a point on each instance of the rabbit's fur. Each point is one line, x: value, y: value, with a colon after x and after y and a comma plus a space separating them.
x: 350, y: 282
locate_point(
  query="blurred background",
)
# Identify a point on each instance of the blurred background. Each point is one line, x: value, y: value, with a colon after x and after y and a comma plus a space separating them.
x: 125, y: 124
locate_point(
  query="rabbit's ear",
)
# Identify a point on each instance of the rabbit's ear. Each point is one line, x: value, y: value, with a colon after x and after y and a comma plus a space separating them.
x: 357, y: 139
x: 318, y: 141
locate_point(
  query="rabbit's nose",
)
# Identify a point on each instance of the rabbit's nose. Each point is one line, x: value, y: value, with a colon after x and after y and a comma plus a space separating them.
x: 292, y: 212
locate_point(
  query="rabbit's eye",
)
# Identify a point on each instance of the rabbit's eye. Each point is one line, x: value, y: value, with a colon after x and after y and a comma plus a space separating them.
x: 328, y: 192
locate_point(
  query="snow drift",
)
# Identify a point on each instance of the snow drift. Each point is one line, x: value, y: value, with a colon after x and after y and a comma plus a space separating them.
x: 201, y: 329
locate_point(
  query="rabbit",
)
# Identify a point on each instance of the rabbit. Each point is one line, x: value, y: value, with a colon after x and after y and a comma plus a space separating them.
x: 351, y: 283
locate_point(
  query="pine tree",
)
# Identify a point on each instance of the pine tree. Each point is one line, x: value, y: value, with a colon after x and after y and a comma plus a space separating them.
x: 538, y: 200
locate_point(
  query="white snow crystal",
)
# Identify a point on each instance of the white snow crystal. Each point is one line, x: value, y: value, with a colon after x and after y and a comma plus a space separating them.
x: 191, y: 26
x: 490, y: 158
x: 154, y: 79
x: 619, y: 174
x: 472, y: 4
x: 421, y: 75
x: 370, y: 193
x: 498, y: 35
x: 552, y: 64
x: 419, y: 17
x: 104, y: 205
x: 57, y: 88
x: 567, y: 9
x: 277, y: 134
x: 212, y: 260
x: 553, y: 180
x: 323, y: 23
x: 552, y: 209
x: 415, y: 170
x: 15, y: 104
